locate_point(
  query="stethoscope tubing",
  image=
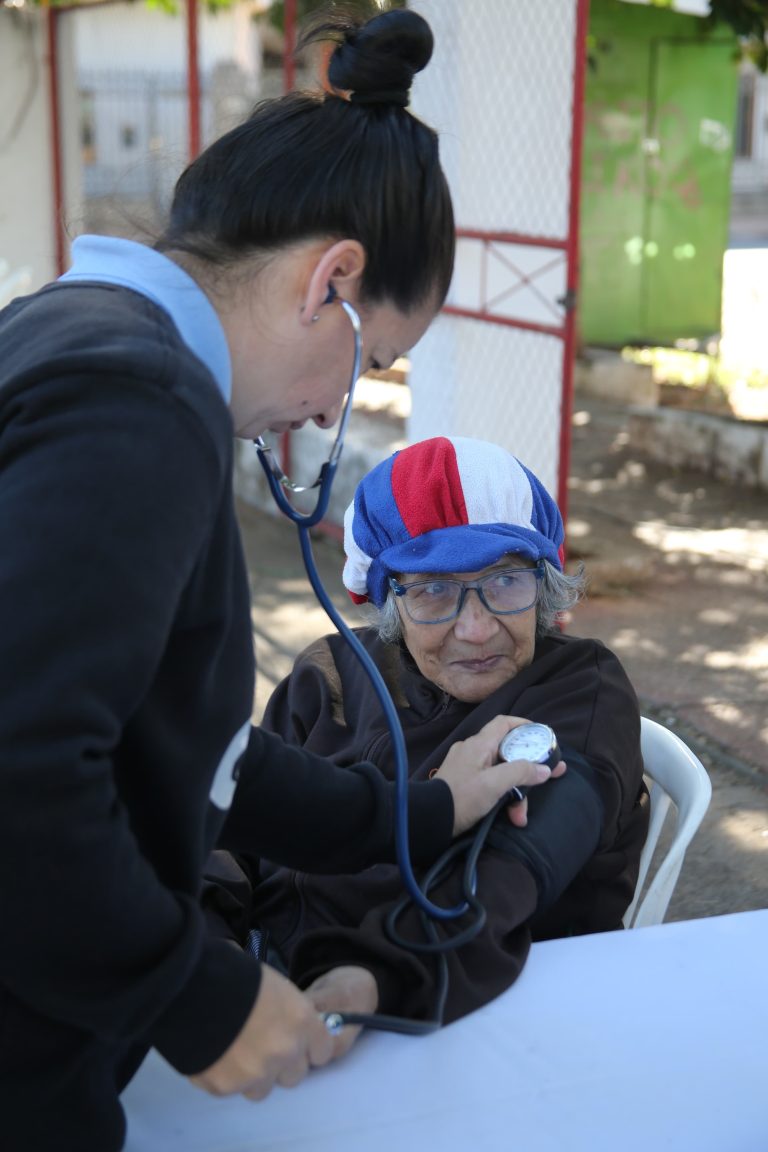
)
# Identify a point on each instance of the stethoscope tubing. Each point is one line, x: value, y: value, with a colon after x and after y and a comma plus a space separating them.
x: 278, y: 482
x: 435, y: 911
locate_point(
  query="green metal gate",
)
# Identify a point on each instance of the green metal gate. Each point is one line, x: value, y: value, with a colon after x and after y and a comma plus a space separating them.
x: 660, y: 110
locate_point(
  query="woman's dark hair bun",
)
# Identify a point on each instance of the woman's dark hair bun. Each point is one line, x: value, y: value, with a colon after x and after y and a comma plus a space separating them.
x: 313, y: 164
x: 376, y: 60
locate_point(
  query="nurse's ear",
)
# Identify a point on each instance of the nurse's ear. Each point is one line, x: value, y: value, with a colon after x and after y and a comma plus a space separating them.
x: 337, y: 273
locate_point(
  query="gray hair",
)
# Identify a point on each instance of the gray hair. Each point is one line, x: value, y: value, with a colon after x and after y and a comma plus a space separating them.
x: 557, y: 593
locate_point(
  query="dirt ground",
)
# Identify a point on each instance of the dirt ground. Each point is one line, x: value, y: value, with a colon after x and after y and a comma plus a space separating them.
x: 678, y: 568
x: 679, y: 589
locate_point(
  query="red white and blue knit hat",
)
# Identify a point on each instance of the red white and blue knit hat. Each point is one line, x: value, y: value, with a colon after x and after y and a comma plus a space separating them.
x: 445, y: 505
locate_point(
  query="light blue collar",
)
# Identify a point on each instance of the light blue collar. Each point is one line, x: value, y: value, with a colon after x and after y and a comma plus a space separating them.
x: 132, y: 265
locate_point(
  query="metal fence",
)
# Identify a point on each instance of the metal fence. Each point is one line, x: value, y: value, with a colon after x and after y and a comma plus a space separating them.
x: 133, y: 130
x: 134, y: 135
x: 505, y: 91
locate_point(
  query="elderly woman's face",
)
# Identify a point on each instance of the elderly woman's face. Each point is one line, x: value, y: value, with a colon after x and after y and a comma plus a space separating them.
x: 474, y: 654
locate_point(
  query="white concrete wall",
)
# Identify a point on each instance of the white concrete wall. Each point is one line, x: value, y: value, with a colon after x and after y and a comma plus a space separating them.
x: 134, y: 37
x: 716, y: 445
x: 744, y: 340
x: 132, y: 72
x: 27, y: 241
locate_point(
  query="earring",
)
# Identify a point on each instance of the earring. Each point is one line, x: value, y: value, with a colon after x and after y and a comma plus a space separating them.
x: 328, y: 300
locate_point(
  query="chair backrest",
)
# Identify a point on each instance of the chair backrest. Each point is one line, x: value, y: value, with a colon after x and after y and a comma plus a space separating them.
x: 674, y: 776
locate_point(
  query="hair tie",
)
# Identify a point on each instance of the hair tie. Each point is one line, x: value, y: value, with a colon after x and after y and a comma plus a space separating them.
x: 397, y: 96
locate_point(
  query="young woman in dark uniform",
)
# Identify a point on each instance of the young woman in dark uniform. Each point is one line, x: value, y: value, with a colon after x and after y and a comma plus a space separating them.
x: 126, y: 663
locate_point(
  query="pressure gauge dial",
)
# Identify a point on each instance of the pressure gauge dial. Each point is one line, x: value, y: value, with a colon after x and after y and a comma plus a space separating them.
x: 536, y: 742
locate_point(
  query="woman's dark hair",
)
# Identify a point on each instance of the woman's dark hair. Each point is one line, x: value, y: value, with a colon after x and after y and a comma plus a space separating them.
x: 356, y: 165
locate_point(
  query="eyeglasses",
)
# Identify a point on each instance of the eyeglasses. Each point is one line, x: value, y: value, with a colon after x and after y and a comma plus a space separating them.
x: 503, y: 593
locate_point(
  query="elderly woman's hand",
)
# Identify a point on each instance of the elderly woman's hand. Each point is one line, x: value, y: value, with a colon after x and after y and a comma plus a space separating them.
x: 477, y: 778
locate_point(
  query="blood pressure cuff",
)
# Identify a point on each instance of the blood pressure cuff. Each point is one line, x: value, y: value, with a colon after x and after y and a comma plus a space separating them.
x: 565, y: 818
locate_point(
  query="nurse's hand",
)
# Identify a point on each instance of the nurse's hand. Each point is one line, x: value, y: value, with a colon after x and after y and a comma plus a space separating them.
x: 477, y: 778
x: 280, y: 1041
x: 347, y: 988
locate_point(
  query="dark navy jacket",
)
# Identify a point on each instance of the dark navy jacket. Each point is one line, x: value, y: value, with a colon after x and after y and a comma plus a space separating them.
x: 126, y: 690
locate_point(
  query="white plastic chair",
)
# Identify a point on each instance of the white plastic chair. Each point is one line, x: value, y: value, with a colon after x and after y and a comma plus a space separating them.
x: 674, y: 776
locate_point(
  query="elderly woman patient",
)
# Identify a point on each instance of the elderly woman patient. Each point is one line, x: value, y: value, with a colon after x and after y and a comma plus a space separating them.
x: 456, y: 547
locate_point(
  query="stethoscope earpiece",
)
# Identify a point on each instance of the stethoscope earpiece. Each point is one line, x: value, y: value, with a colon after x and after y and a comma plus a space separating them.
x: 332, y: 294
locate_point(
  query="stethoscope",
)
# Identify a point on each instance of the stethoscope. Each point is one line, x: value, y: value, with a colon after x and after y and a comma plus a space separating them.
x: 277, y: 479
x: 279, y: 484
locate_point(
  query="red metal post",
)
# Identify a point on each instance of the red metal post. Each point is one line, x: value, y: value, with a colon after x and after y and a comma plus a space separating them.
x: 505, y: 321
x: 572, y: 250
x: 289, y: 79
x: 56, y: 158
x: 511, y: 238
x: 289, y: 64
x: 193, y: 79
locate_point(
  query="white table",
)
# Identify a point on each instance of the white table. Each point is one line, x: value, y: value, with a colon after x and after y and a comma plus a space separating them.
x: 636, y: 1041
